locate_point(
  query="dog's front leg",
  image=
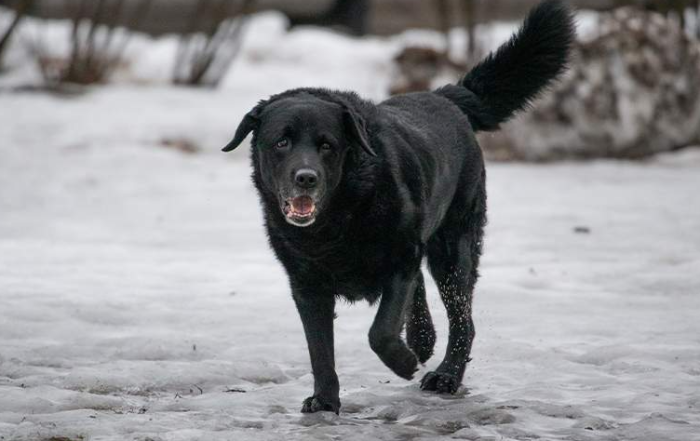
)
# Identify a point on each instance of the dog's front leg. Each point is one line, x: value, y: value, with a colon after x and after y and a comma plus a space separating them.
x: 317, y: 311
x: 384, y: 335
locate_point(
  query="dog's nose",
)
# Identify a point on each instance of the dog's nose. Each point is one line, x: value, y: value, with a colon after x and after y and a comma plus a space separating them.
x: 306, y: 178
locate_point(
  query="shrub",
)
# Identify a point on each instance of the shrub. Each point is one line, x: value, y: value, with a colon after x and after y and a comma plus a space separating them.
x: 97, y: 42
x: 203, y: 58
x: 20, y: 7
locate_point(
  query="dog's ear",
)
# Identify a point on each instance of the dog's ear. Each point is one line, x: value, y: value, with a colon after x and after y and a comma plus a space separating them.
x: 356, y: 127
x: 249, y: 123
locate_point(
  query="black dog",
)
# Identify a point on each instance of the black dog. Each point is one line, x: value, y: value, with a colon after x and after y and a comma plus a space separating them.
x: 356, y: 193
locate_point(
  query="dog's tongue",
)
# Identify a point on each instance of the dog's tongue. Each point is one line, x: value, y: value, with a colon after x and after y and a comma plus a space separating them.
x: 302, y: 204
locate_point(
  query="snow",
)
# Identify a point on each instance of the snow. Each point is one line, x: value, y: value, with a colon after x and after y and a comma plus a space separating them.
x: 139, y: 299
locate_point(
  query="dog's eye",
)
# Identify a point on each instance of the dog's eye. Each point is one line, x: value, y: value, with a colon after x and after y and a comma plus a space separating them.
x: 282, y: 143
x: 325, y: 146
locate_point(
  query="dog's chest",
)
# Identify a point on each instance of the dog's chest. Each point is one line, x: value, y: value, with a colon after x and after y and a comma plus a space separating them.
x: 358, y: 289
x: 357, y: 269
x: 354, y: 262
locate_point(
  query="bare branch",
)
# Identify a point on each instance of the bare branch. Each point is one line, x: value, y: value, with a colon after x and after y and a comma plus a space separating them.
x: 21, y: 9
x: 203, y: 59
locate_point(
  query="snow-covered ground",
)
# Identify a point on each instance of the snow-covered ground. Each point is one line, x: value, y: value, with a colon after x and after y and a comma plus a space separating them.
x: 139, y: 299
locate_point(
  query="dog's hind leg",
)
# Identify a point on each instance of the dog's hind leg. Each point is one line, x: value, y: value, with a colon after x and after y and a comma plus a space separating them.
x: 453, y: 257
x: 420, y: 333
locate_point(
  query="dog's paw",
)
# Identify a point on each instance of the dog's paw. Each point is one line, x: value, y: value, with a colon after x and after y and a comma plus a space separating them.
x: 404, y: 364
x: 318, y: 404
x: 396, y: 356
x: 440, y: 382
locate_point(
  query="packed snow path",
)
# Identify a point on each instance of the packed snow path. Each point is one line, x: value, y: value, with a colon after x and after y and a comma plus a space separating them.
x: 139, y: 299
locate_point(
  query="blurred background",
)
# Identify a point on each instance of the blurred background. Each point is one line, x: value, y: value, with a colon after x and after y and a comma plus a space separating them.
x: 139, y: 299
x: 632, y: 90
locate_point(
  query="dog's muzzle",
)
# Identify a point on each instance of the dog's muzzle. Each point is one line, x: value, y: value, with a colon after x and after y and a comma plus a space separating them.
x: 300, y: 211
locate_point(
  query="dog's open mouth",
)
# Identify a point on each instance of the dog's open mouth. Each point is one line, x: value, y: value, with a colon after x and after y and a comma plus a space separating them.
x: 300, y: 211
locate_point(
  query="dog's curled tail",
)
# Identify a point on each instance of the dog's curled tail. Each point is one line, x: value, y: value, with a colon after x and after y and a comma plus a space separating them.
x: 509, y: 79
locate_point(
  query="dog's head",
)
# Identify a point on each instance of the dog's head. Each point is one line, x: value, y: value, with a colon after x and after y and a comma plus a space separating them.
x: 300, y: 145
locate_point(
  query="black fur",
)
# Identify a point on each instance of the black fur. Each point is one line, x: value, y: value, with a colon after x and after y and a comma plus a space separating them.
x: 356, y: 194
x: 509, y: 80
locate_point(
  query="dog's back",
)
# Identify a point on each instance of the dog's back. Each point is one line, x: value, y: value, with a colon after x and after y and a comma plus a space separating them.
x: 433, y: 141
x: 428, y: 144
